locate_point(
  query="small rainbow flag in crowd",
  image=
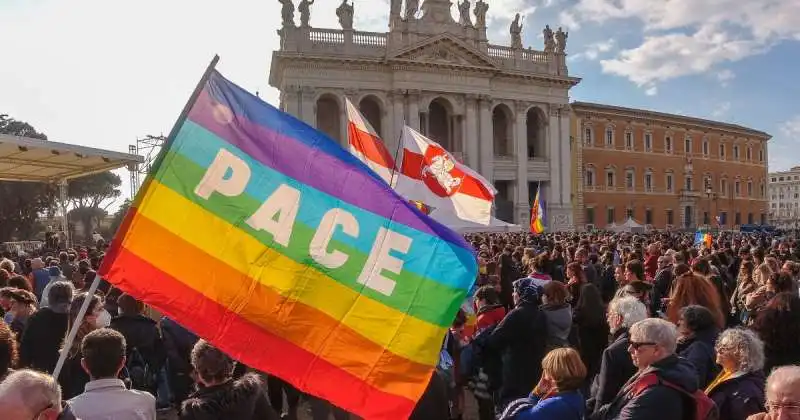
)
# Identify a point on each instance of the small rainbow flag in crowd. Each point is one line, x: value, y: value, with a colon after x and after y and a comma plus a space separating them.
x: 265, y: 237
x: 422, y: 206
x: 537, y: 215
x: 703, y: 238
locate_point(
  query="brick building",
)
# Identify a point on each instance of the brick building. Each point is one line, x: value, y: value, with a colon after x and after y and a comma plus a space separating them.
x: 665, y: 170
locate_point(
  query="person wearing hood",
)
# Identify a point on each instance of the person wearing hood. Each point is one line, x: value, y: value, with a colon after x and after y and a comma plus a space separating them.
x: 520, y: 341
x: 41, y: 342
x: 652, y: 346
x: 738, y: 391
x: 697, y: 337
x: 558, y: 314
x: 219, y: 396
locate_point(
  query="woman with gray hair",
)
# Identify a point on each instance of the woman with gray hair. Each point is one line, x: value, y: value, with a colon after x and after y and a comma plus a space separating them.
x: 738, y: 391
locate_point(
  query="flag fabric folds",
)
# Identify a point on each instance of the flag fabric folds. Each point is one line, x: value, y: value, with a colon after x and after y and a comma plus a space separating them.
x: 367, y: 145
x: 537, y: 215
x: 703, y: 238
x: 263, y: 236
x: 430, y: 174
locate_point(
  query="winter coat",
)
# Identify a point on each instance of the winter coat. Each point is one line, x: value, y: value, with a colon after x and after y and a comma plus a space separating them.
x: 520, y: 340
x: 658, y: 402
x: 700, y: 351
x: 739, y: 396
x: 434, y: 403
x: 489, y: 315
x: 616, y: 368
x: 242, y: 399
x: 41, y: 341
x: 142, y: 333
x: 559, y: 324
x: 562, y: 406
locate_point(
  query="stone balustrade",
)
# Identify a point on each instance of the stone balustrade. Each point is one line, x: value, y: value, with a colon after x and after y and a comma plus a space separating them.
x: 339, y: 42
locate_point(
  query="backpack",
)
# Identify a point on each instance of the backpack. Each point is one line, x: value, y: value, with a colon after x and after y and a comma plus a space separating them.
x: 704, y: 407
x: 142, y: 377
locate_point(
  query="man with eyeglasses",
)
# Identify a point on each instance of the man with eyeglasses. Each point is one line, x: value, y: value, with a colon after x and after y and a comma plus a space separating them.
x: 783, y: 395
x: 659, y: 389
x: 31, y: 395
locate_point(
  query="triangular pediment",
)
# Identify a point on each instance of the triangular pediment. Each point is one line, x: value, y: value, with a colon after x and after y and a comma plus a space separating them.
x: 446, y: 50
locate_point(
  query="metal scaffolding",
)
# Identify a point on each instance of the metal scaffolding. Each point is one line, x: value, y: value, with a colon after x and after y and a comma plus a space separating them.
x: 148, y: 147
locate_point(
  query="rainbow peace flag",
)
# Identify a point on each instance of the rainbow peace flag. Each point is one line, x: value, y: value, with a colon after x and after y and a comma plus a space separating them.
x: 537, y: 215
x: 262, y: 235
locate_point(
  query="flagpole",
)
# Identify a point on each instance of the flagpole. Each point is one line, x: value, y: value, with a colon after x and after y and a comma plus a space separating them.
x: 397, y: 154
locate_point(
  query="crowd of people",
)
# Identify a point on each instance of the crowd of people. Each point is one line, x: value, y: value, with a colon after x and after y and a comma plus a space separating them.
x: 560, y: 326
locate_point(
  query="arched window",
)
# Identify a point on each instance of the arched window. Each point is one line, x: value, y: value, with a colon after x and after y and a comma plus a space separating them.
x: 371, y: 110
x: 329, y: 117
x: 535, y: 130
x: 439, y: 124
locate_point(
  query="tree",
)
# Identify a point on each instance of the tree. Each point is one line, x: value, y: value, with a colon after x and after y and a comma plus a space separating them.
x: 90, y: 196
x: 22, y: 202
x: 119, y: 216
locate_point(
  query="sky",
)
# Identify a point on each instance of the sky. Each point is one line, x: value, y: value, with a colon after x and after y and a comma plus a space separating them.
x: 101, y: 73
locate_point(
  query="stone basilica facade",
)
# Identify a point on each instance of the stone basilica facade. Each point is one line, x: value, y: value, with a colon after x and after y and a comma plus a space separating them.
x: 503, y: 110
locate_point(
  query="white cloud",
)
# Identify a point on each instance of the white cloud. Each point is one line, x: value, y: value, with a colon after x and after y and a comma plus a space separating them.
x: 725, y: 76
x: 721, y: 110
x: 651, y: 91
x: 783, y: 148
x: 791, y: 128
x: 593, y: 51
x: 685, y: 37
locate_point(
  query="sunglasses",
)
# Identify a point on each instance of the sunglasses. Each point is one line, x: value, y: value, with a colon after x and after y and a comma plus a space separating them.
x: 634, y: 345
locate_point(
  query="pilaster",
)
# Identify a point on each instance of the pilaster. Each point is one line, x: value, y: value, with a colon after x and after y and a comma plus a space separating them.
x: 471, y: 132
x: 486, y: 138
x: 308, y: 107
x: 291, y: 100
x: 521, y: 152
x: 413, y: 109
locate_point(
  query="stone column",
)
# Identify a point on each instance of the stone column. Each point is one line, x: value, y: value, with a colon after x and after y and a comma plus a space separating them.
x: 398, y: 102
x: 486, y: 139
x: 565, y: 156
x: 291, y: 101
x: 471, y: 132
x: 413, y: 110
x: 523, y: 205
x: 554, y: 155
x: 309, y: 114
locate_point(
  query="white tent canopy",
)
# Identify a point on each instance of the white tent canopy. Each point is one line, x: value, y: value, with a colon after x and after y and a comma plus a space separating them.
x: 34, y: 160
x: 630, y: 225
x: 27, y: 159
x: 495, y: 225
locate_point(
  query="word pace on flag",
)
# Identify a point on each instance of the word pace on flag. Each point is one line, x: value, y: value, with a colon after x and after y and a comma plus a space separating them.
x: 263, y: 236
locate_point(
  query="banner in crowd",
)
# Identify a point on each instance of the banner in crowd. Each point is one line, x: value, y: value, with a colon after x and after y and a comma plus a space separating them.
x: 537, y: 213
x: 262, y: 235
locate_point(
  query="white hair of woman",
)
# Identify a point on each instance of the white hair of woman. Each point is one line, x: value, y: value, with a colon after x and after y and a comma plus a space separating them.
x: 29, y: 391
x: 629, y: 308
x: 655, y: 330
x: 743, y: 346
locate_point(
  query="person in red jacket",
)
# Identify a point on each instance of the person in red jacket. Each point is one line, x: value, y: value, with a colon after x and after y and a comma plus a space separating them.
x: 490, y: 311
x: 651, y: 262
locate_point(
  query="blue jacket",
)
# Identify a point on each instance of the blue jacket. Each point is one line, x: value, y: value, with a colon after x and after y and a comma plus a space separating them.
x: 563, y: 406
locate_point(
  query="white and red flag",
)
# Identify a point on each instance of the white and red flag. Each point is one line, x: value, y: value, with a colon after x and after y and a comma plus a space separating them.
x: 430, y: 174
x: 367, y: 145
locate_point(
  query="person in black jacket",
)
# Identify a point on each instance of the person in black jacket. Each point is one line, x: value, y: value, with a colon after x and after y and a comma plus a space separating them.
x: 219, y: 396
x: 520, y: 339
x: 143, y: 337
x: 616, y: 366
x: 698, y: 336
x: 738, y: 391
x: 46, y: 329
x: 652, y: 346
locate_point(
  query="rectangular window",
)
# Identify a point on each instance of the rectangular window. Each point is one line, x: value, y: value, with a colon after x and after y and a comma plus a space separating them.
x: 750, y: 218
x: 763, y: 219
x: 688, y: 183
x: 687, y: 146
x: 629, y: 140
x: 629, y: 180
x: 648, y: 217
x: 722, y: 151
x: 609, y: 137
x: 648, y: 182
x: 760, y: 155
x: 669, y: 183
x: 736, y: 152
x: 587, y: 136
x: 590, y: 178
x: 590, y: 215
x: 750, y: 189
x: 670, y: 220
x: 723, y: 217
x: 736, y: 189
x: 668, y: 144
x: 706, y: 220
x: 610, y: 179
x: 705, y: 148
x: 648, y: 142
x: 723, y: 188
x: 610, y: 215
x: 749, y: 154
x: 629, y: 213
